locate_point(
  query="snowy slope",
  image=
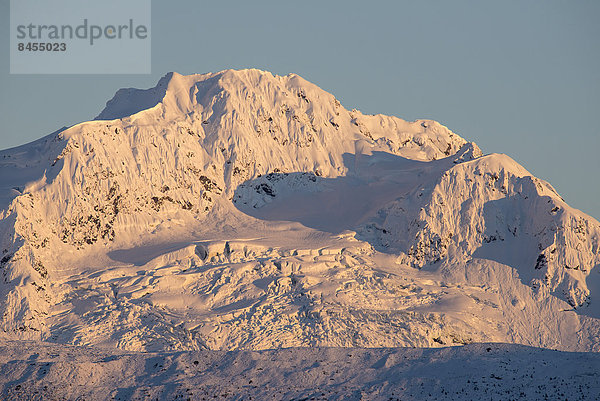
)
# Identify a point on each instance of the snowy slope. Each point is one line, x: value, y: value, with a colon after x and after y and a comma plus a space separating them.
x: 32, y: 371
x: 242, y: 210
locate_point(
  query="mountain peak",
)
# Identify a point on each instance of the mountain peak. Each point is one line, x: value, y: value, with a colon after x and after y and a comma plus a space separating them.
x: 129, y: 101
x: 287, y: 108
x: 177, y: 90
x: 268, y: 205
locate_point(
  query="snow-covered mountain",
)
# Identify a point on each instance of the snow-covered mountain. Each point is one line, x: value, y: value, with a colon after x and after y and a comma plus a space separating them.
x: 242, y: 210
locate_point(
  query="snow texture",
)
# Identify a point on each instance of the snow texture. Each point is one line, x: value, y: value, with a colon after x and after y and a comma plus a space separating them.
x: 478, y: 371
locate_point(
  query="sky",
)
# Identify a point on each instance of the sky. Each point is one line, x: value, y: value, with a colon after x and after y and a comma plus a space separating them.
x: 516, y: 77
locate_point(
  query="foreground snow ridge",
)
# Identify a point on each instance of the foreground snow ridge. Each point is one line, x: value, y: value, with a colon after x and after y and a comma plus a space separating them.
x: 473, y: 372
x: 240, y: 210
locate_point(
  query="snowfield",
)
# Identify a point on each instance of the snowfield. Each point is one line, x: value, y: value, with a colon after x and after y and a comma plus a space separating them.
x: 253, y: 214
x: 43, y: 371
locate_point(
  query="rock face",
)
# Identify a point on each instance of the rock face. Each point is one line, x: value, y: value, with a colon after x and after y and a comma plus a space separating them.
x: 245, y: 210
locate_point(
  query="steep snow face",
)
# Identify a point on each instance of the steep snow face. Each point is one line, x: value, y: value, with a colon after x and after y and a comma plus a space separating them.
x: 255, y: 123
x: 245, y: 210
x: 201, y: 137
x: 492, y: 208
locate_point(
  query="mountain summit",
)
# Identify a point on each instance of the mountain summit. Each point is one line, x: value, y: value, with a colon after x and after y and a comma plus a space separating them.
x: 243, y: 210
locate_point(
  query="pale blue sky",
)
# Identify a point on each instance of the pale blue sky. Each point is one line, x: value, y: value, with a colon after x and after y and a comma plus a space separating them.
x: 516, y: 77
